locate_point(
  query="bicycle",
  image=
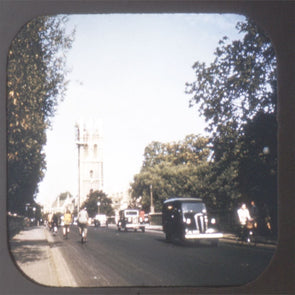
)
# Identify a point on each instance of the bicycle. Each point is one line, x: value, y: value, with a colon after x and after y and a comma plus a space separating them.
x: 83, y: 233
x: 66, y: 230
x: 246, y: 234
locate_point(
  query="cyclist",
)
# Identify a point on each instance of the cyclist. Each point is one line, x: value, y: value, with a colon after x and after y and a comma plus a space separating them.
x: 82, y: 223
x: 244, y: 218
x: 67, y: 221
x: 55, y: 223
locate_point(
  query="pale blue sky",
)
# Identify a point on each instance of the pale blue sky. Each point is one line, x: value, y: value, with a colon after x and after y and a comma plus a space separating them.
x: 129, y: 71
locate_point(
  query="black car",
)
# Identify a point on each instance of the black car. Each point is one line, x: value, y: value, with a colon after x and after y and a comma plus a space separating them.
x: 187, y: 219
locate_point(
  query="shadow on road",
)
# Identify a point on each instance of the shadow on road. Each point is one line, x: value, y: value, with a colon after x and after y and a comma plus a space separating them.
x: 185, y: 244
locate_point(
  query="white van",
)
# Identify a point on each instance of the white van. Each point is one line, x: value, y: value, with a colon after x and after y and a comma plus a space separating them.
x: 100, y: 220
x: 129, y: 219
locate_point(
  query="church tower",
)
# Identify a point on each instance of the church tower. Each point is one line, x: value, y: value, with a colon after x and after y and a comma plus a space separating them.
x: 90, y: 158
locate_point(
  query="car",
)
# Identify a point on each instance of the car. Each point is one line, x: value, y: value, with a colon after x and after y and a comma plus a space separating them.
x: 100, y: 220
x: 129, y: 219
x: 186, y: 219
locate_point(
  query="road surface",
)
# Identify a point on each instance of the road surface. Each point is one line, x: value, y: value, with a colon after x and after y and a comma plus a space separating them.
x: 112, y: 258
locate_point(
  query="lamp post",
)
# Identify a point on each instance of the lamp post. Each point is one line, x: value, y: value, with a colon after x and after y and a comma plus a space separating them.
x: 152, y: 209
x: 34, y: 210
x: 79, y: 143
x: 98, y: 204
x: 27, y: 209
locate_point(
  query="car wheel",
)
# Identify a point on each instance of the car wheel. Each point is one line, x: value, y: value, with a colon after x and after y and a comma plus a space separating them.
x: 168, y: 237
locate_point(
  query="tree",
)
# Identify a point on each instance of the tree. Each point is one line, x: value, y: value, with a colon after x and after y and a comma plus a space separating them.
x: 258, y: 164
x: 237, y: 96
x: 35, y: 85
x: 64, y: 196
x: 192, y: 150
x: 173, y: 169
x: 92, y: 200
x: 239, y: 83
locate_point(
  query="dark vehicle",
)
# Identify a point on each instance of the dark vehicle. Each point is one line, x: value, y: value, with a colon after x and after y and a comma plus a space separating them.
x: 187, y: 219
x: 129, y: 219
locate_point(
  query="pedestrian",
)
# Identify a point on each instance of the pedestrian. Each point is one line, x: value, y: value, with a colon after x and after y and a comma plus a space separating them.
x: 49, y: 220
x: 266, y: 219
x: 254, y: 214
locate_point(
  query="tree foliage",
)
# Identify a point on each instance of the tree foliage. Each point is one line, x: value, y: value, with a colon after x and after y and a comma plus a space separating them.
x: 237, y: 96
x: 63, y: 196
x: 105, y: 206
x: 35, y: 85
x: 239, y: 83
x: 172, y: 169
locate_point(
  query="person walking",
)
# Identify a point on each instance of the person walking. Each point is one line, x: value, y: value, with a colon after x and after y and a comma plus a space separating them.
x: 254, y: 214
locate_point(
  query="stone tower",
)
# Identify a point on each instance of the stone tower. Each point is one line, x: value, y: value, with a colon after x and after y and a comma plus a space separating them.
x: 90, y: 158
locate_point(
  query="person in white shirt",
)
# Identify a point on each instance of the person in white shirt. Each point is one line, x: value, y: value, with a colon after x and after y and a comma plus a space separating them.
x: 244, y: 214
x: 82, y: 223
x: 244, y: 217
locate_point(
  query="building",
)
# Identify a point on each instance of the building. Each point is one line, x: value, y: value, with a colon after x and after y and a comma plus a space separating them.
x: 89, y: 141
x: 62, y: 203
x: 121, y: 201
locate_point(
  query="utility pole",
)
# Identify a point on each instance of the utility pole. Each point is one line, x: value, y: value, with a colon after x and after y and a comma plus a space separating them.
x: 152, y: 210
x: 79, y: 145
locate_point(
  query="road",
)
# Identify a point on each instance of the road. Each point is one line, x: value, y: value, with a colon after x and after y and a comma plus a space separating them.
x: 112, y: 258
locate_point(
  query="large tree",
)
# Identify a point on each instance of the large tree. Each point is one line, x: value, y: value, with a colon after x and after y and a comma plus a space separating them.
x: 172, y: 169
x: 239, y: 83
x: 35, y: 84
x: 237, y: 95
x: 95, y: 198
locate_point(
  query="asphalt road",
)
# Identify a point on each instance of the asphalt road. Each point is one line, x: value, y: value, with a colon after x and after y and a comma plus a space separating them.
x: 112, y: 258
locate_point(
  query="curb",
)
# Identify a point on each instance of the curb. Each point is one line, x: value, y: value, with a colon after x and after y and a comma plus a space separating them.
x: 37, y: 263
x: 64, y: 275
x: 227, y: 238
x: 42, y: 261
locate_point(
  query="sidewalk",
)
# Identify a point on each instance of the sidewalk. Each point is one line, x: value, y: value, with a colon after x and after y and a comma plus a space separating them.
x: 36, y: 254
x: 229, y: 237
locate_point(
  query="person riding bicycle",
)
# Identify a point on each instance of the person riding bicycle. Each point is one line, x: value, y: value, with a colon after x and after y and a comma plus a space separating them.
x: 67, y: 221
x: 244, y: 218
x: 82, y: 222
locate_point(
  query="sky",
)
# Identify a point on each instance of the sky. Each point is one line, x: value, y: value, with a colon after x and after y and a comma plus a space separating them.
x: 129, y: 71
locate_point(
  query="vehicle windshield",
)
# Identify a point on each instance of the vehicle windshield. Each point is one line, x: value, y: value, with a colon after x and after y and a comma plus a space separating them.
x: 193, y: 207
x: 131, y: 213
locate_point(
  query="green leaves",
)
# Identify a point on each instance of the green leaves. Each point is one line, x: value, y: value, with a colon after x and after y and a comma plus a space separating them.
x: 239, y: 82
x: 173, y: 169
x: 105, y: 206
x: 35, y: 85
x: 236, y: 94
x: 191, y: 150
